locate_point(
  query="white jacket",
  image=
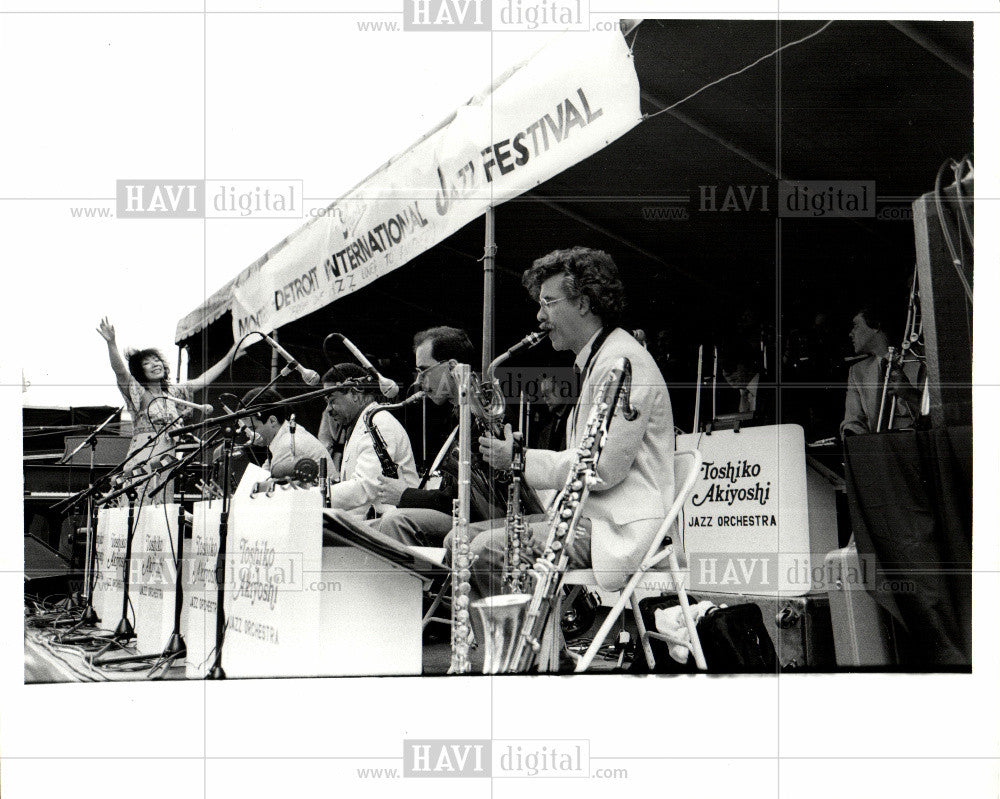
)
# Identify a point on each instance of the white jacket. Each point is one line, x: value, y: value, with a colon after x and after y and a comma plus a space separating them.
x: 360, y: 467
x: 636, y: 467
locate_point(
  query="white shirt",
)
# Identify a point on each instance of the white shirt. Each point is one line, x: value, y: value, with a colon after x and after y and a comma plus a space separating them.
x: 361, y: 468
x: 286, y: 450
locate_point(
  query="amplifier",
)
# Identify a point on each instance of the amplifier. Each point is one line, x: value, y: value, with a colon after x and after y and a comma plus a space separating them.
x: 110, y: 450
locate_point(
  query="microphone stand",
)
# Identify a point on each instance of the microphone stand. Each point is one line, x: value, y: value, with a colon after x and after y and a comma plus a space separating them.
x: 91, y: 440
x: 217, y: 672
x: 176, y: 647
x: 75, y: 600
x: 125, y: 632
x: 89, y: 615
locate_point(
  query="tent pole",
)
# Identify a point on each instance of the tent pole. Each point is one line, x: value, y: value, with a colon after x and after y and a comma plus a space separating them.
x: 274, y: 357
x: 489, y: 256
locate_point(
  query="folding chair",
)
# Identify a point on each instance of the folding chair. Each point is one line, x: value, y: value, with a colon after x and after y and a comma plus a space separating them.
x: 686, y: 466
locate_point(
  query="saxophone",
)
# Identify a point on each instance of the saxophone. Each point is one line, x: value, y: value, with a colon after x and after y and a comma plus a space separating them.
x: 461, y: 554
x: 488, y: 409
x: 389, y: 467
x: 514, y: 623
x: 515, y: 568
x: 488, y: 403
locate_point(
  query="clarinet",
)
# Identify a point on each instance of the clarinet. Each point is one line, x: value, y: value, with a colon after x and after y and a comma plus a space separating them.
x: 515, y: 570
x: 566, y: 512
x: 389, y: 467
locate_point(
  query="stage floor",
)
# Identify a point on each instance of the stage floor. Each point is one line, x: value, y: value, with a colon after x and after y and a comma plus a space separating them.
x: 48, y: 661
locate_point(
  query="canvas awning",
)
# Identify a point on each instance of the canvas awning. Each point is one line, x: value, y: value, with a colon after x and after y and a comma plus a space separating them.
x: 566, y: 102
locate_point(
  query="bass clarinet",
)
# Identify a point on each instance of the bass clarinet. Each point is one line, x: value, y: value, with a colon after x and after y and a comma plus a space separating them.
x: 514, y: 623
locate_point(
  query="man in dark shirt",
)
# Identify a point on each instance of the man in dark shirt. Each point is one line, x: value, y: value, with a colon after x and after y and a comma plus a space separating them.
x: 424, y: 515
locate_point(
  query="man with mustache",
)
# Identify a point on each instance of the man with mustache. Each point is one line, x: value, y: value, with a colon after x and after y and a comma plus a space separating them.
x: 581, y: 297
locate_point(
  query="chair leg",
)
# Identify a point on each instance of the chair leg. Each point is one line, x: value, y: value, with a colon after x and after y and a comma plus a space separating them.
x: 429, y: 615
x: 675, y: 569
x: 584, y: 663
x: 647, y: 650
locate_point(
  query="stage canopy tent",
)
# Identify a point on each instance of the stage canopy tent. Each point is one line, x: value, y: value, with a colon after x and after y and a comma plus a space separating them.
x: 686, y: 200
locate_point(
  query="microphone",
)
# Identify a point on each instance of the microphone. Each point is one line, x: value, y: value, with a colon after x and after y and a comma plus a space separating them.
x: 308, y: 375
x: 230, y: 402
x: 205, y: 409
x: 388, y: 387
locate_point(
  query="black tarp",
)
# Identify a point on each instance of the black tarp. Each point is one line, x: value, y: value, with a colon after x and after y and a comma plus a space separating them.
x: 910, y: 495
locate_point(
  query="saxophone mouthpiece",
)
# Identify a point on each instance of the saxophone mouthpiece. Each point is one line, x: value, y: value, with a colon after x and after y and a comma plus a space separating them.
x: 528, y: 341
x: 536, y: 337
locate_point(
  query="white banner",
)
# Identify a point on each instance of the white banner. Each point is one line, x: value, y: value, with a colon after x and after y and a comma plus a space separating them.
x: 562, y: 105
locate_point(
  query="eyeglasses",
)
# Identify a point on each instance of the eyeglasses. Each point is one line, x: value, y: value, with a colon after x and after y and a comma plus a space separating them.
x: 419, y: 374
x: 546, y: 304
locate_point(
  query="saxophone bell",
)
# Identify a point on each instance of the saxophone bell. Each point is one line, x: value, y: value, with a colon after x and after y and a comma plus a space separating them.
x: 502, y: 619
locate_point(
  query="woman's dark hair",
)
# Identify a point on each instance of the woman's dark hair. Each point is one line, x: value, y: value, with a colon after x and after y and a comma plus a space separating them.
x: 447, y: 343
x: 590, y: 273
x: 353, y: 375
x: 135, y: 359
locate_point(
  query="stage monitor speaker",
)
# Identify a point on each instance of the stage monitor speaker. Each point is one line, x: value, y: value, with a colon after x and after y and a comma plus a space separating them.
x: 110, y: 450
x: 41, y: 560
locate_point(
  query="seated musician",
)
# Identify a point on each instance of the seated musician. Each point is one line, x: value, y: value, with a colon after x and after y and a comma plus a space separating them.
x: 355, y: 390
x: 425, y: 515
x: 272, y: 428
x: 581, y: 297
x: 866, y: 382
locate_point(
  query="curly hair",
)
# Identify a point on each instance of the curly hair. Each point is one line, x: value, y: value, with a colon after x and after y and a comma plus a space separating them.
x: 352, y: 375
x: 135, y: 359
x: 589, y: 273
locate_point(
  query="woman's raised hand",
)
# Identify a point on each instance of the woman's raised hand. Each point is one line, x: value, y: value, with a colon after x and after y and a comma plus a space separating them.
x: 107, y: 330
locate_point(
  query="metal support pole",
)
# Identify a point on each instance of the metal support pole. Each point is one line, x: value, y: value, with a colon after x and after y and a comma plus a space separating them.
x: 489, y: 256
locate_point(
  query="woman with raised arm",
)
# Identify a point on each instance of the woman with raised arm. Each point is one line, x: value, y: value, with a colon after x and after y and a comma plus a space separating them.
x: 144, y: 381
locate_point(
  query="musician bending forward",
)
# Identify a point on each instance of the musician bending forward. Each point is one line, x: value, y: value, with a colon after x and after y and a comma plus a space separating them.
x: 272, y: 428
x: 355, y: 390
x: 581, y: 297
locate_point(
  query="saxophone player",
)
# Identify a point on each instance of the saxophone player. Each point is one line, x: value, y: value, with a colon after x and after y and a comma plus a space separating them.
x: 580, y: 299
x: 424, y: 517
x: 353, y: 391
